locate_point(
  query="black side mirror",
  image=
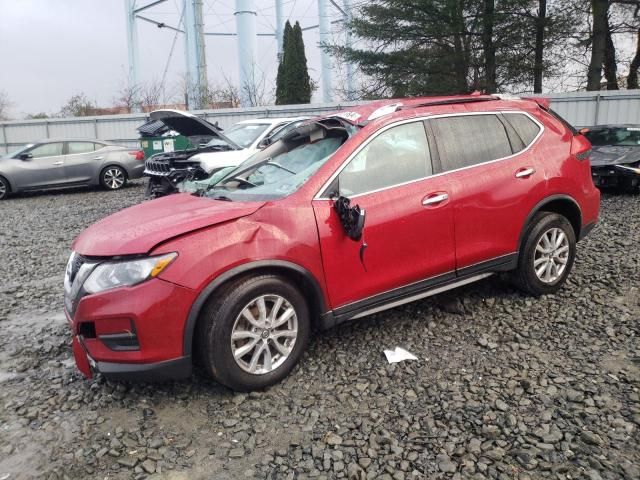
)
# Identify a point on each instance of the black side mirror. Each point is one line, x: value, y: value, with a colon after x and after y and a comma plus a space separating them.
x: 25, y: 156
x: 352, y: 218
x: 264, y: 143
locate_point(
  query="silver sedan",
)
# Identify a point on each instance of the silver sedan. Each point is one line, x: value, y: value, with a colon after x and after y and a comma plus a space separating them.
x: 69, y: 163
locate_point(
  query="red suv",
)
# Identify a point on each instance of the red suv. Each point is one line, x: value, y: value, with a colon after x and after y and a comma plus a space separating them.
x: 453, y: 189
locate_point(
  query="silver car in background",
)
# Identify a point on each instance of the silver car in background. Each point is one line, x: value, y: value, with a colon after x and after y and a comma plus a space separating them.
x: 69, y: 163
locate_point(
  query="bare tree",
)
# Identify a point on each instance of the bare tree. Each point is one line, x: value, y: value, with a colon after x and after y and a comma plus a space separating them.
x: 152, y: 95
x: 5, y: 104
x: 129, y: 97
x: 78, y: 106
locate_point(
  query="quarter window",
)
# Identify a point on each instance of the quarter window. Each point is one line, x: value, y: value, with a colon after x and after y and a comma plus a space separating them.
x: 526, y: 128
x: 47, y: 150
x: 469, y: 140
x: 397, y: 155
x: 80, y: 147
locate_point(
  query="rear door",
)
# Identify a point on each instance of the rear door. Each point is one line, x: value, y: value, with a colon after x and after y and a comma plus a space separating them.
x: 82, y: 161
x: 408, y: 234
x: 495, y: 181
x: 44, y: 168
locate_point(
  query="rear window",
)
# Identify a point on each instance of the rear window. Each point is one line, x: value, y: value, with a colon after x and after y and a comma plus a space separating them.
x: 617, y: 136
x: 526, y: 128
x: 468, y: 140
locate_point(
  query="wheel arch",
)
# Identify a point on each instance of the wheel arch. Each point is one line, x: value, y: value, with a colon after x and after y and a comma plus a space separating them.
x: 561, y: 204
x: 296, y: 274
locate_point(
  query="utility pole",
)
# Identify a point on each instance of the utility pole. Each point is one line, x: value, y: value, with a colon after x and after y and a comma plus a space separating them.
x: 325, y: 60
x: 132, y: 46
x: 351, y: 90
x: 246, y: 27
x: 279, y: 28
x: 196, y: 64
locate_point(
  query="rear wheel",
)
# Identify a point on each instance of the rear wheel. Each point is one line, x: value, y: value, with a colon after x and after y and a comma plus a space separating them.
x: 113, y: 178
x: 547, y: 254
x: 254, y: 332
x: 5, y: 189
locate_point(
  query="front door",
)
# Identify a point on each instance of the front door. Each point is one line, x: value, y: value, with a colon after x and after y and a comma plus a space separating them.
x: 409, y: 221
x: 45, y: 167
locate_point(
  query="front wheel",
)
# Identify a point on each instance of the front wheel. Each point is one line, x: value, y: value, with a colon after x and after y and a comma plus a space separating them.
x: 254, y: 332
x: 5, y: 189
x: 113, y: 178
x: 547, y: 254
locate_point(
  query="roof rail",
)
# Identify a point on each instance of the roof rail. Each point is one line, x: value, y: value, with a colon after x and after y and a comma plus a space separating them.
x: 449, y: 101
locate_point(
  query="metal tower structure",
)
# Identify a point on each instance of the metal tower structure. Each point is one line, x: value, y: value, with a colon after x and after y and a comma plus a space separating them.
x: 245, y: 15
x: 196, y: 62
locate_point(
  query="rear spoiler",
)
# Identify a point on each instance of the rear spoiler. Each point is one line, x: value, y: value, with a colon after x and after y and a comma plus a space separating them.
x: 545, y: 104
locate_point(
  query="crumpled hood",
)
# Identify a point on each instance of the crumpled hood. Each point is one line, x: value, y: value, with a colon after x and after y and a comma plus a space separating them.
x: 136, y: 230
x: 609, y: 155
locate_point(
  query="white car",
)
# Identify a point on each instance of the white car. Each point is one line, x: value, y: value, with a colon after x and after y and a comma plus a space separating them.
x: 216, y: 150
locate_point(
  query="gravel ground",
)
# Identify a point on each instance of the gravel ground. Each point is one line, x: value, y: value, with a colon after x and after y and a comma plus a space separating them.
x: 505, y: 386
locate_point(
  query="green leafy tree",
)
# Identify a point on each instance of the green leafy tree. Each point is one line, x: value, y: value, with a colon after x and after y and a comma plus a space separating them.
x: 293, y: 84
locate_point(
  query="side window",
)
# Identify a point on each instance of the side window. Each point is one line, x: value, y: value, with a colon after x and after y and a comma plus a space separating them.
x: 398, y: 155
x: 79, y: 147
x: 47, y: 150
x: 526, y: 128
x: 469, y: 140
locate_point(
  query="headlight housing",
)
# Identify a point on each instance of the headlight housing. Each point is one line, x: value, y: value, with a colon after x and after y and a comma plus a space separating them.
x: 126, y: 273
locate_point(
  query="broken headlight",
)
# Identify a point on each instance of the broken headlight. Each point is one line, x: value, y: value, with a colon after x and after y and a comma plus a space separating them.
x: 126, y: 273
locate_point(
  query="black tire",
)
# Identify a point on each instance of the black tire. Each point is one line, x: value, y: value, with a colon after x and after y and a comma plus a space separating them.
x: 113, y: 177
x: 216, y: 323
x: 5, y: 188
x: 525, y: 276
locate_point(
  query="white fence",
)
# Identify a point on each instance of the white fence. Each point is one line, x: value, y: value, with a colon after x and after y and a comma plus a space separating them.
x: 580, y: 109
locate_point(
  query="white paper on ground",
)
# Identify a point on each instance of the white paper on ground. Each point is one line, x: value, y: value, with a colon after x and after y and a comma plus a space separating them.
x: 398, y: 355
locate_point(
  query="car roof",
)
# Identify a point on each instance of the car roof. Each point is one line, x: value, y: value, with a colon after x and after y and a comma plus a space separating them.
x: 270, y: 121
x: 383, y: 111
x: 54, y: 140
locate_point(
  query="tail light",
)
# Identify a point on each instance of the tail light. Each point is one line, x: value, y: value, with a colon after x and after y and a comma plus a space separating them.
x: 580, y: 147
x: 138, y: 154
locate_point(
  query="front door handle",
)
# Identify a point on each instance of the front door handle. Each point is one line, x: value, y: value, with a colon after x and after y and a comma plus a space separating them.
x: 58, y: 163
x: 435, y: 199
x: 97, y: 158
x: 525, y: 172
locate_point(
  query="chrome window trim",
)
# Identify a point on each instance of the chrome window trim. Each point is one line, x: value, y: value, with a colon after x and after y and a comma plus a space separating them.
x: 321, y: 191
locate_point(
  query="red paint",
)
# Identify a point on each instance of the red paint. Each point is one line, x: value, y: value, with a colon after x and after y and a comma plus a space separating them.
x: 483, y: 218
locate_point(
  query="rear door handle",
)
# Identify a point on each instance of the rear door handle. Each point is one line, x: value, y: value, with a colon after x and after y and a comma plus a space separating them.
x: 97, y: 158
x: 58, y: 163
x: 435, y: 199
x: 525, y: 172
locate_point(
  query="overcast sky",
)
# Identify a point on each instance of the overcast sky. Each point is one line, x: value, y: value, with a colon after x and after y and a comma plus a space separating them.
x: 51, y: 50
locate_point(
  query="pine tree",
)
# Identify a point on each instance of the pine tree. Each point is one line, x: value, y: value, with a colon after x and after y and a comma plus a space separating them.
x: 281, y: 79
x: 293, y: 84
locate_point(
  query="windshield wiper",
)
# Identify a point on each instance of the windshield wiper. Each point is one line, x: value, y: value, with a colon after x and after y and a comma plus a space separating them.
x: 224, y: 198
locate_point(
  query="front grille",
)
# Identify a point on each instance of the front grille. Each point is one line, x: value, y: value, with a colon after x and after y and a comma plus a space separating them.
x: 157, y: 167
x: 78, y: 270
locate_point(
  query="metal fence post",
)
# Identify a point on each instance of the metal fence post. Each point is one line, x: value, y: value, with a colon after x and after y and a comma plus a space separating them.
x: 597, y: 115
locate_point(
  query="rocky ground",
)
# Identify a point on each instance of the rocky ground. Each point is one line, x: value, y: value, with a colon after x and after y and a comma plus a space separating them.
x: 505, y: 386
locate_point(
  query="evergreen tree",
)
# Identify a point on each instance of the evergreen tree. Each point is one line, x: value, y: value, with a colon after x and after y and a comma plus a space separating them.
x: 293, y: 84
x: 446, y: 46
x: 281, y: 80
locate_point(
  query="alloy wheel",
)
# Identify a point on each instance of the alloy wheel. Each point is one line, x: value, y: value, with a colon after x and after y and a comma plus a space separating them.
x: 264, y: 334
x: 551, y: 255
x: 3, y: 189
x: 114, y: 178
